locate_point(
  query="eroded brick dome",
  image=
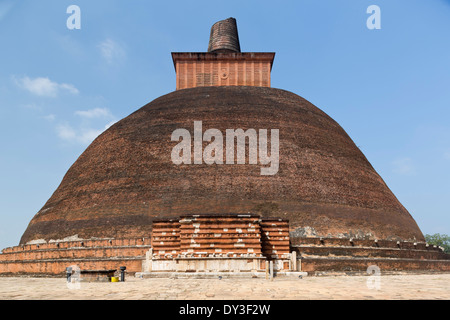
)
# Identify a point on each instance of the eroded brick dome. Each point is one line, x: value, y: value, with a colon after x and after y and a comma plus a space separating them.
x: 325, y: 186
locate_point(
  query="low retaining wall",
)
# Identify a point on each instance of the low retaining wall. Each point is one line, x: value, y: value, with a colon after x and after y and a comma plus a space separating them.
x: 314, y: 254
x: 54, y: 258
x: 312, y: 265
x: 367, y: 252
x: 76, y: 253
x: 344, y: 242
x: 80, y: 244
x: 58, y: 266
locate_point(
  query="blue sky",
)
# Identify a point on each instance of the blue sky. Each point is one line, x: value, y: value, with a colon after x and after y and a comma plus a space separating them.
x: 388, y: 88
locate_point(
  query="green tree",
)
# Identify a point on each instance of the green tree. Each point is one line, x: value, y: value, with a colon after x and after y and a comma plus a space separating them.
x: 441, y: 240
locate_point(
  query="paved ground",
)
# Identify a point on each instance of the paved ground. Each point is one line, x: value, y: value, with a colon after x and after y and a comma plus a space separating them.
x: 435, y: 286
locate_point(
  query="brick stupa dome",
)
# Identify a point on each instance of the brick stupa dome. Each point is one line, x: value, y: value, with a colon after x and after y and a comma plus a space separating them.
x: 125, y: 179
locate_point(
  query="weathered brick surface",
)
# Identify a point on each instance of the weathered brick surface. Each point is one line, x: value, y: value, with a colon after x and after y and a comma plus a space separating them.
x: 76, y: 253
x: 206, y: 234
x: 370, y: 252
x: 53, y: 258
x: 166, y: 236
x: 126, y: 179
x: 275, y: 237
x: 316, y: 254
x: 220, y: 234
x: 81, y: 244
x: 313, y: 265
x: 125, y: 182
x: 345, y: 255
x: 195, y: 69
x: 58, y: 266
x: 224, y: 36
x: 231, y: 234
x: 336, y: 242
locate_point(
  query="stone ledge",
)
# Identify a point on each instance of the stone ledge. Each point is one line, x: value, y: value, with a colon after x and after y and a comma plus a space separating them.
x: 72, y: 248
x: 76, y: 260
x: 431, y: 250
x: 350, y: 264
x: 216, y: 275
x: 357, y: 259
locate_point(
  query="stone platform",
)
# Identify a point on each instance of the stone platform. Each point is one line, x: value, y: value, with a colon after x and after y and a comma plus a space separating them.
x: 241, y: 244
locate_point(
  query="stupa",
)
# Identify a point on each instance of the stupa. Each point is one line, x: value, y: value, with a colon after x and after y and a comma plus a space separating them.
x: 324, y: 186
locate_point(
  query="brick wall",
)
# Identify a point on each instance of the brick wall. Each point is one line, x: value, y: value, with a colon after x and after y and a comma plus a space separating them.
x: 229, y: 234
x: 315, y: 265
x: 54, y: 258
x: 275, y: 237
x: 207, y: 234
x: 231, y: 69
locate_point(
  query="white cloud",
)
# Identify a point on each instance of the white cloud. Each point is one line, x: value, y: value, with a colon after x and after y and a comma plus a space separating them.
x: 5, y: 7
x: 82, y: 136
x: 110, y: 124
x: 88, y: 135
x: 95, y: 113
x: 111, y: 51
x: 32, y: 106
x: 71, y: 46
x: 50, y: 117
x: 404, y: 166
x: 70, y: 88
x: 44, y: 86
x: 66, y: 132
